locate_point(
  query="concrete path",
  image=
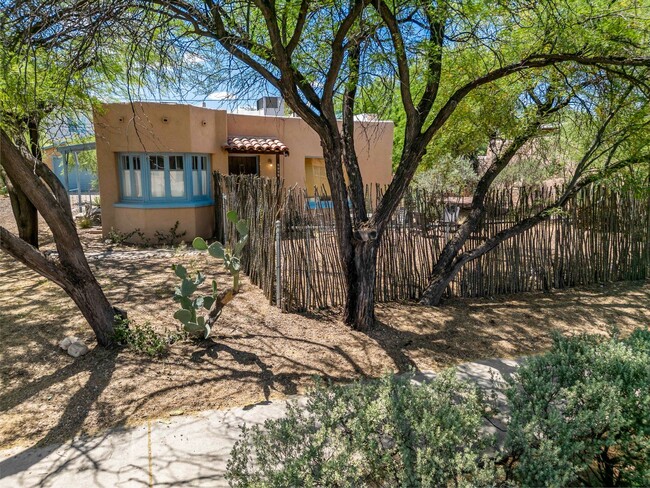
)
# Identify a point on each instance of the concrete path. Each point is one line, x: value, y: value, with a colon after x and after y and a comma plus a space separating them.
x: 188, y: 451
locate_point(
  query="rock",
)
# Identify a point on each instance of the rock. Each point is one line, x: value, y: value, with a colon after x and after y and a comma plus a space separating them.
x: 65, y: 343
x: 77, y: 349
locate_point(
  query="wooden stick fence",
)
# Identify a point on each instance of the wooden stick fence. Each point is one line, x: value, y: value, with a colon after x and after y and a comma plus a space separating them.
x: 601, y: 236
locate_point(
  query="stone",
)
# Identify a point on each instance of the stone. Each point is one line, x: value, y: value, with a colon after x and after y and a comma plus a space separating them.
x: 65, y: 343
x: 77, y: 349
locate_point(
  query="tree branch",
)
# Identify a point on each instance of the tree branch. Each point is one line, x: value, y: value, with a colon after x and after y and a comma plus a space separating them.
x: 31, y: 257
x: 545, y: 213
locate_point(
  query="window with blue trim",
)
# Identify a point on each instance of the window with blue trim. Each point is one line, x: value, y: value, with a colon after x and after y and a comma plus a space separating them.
x: 164, y: 178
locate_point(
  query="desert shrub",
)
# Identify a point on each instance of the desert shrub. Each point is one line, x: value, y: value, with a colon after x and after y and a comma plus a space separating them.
x: 84, y: 222
x: 581, y: 413
x: 118, y: 238
x: 143, y: 338
x: 388, y: 432
x: 171, y: 237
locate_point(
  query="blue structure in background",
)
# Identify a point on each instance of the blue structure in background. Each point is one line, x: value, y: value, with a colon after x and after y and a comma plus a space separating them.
x: 66, y: 167
x: 71, y: 177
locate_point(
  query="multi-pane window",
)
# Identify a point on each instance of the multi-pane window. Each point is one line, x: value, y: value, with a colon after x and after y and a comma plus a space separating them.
x: 157, y: 176
x: 166, y: 178
x: 176, y: 176
x: 200, y: 175
x: 131, y: 176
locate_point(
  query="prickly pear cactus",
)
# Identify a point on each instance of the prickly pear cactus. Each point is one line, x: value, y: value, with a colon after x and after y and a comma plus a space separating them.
x: 195, y: 322
x: 188, y: 314
x: 231, y: 257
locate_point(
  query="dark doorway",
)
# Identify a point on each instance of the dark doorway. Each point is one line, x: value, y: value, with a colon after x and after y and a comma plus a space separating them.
x: 243, y: 165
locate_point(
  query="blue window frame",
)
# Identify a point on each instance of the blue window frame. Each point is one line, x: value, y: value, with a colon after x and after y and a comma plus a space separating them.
x: 164, y: 179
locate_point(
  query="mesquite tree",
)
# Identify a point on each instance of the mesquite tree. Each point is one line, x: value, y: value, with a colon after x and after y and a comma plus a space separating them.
x: 69, y: 269
x: 38, y: 78
x: 602, y: 128
x: 320, y: 55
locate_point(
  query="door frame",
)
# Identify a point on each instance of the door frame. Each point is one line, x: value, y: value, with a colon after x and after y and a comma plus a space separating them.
x: 249, y: 155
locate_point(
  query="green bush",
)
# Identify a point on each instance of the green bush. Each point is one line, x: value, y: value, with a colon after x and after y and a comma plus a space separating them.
x: 85, y: 222
x: 143, y: 338
x: 119, y: 238
x: 388, y: 432
x: 581, y: 414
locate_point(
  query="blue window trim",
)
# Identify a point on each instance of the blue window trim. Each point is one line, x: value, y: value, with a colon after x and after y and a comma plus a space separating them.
x: 149, y: 201
x: 195, y: 204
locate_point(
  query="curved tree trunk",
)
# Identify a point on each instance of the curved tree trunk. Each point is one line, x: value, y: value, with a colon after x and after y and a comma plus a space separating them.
x: 452, y: 259
x: 437, y: 286
x: 70, y: 270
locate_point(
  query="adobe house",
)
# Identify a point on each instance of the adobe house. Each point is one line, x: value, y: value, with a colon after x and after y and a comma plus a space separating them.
x: 155, y: 160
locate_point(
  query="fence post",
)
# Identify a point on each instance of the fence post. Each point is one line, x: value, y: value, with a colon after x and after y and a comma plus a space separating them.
x: 76, y: 162
x: 224, y: 211
x: 307, y: 264
x: 278, y: 266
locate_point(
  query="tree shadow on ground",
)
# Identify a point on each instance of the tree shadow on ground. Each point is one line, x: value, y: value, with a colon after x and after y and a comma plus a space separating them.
x: 464, y: 330
x: 101, y: 364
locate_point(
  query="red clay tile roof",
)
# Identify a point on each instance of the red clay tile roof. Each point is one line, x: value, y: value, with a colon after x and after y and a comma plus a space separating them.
x: 264, y: 145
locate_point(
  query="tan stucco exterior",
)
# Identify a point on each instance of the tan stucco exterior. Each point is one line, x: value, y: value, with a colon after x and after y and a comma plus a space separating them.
x: 168, y: 128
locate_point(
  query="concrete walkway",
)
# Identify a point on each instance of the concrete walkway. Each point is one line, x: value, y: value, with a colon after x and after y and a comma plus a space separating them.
x: 180, y: 451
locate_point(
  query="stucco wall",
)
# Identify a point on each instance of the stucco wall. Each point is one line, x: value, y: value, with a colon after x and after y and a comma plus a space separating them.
x: 196, y: 221
x: 154, y: 127
x: 373, y: 142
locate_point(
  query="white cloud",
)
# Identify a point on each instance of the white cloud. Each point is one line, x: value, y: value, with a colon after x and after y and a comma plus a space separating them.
x: 193, y: 58
x: 221, y: 95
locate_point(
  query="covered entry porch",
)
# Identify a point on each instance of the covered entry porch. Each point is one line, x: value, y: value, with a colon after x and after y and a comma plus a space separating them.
x: 259, y: 156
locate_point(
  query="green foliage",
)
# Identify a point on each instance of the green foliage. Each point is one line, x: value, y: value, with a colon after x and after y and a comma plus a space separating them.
x: 231, y: 257
x: 85, y: 222
x: 387, y: 432
x: 143, y: 338
x: 580, y: 416
x: 447, y: 175
x: 118, y: 238
x: 3, y: 184
x: 189, y: 313
x: 581, y: 413
x: 171, y: 237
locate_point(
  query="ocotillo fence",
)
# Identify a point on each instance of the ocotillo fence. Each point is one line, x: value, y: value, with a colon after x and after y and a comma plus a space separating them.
x: 602, y: 235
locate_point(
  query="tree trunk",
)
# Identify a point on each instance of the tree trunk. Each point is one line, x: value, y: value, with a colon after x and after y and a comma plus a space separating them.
x: 95, y: 307
x: 360, y: 279
x: 24, y: 210
x: 449, y: 262
x: 357, y: 244
x: 71, y: 270
x: 438, y: 283
x: 25, y: 214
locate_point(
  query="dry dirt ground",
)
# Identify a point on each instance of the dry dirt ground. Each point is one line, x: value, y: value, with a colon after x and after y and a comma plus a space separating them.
x: 257, y: 352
